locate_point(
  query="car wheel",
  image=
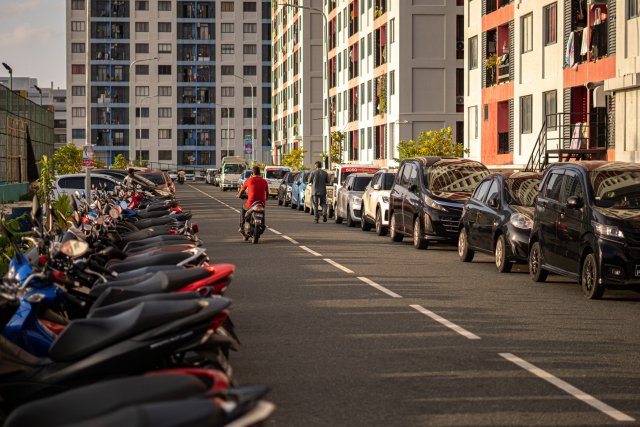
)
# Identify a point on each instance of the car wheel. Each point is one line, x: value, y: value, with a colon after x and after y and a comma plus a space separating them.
x: 393, y: 232
x: 300, y: 206
x: 465, y: 254
x: 590, y: 278
x: 293, y: 206
x: 350, y: 221
x: 381, y: 230
x: 306, y: 209
x: 364, y: 224
x: 502, y: 263
x: 419, y: 242
x: 536, y: 272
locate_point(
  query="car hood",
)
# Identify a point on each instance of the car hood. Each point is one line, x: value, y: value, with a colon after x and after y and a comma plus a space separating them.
x: 620, y: 214
x: 452, y: 197
x: 355, y: 193
x: 524, y: 210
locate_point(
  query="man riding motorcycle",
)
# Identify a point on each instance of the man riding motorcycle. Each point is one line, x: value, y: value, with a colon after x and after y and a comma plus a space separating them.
x: 181, y: 175
x: 257, y: 191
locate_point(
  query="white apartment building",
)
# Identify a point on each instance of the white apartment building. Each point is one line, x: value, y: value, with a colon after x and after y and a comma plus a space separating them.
x: 197, y: 73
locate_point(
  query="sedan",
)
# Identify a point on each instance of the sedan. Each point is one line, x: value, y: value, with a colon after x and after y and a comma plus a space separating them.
x: 297, y: 190
x: 284, y: 190
x: 375, y: 202
x: 497, y: 219
x: 349, y: 198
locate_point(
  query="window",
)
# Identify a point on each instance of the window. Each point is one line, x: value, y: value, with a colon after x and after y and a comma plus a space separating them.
x: 249, y: 28
x: 227, y: 91
x: 164, y: 133
x: 78, y: 112
x: 142, y: 47
x: 481, y: 191
x: 142, y: 69
x: 392, y: 82
x: 549, y: 109
x: 486, y: 112
x: 165, y: 154
x: 228, y: 49
x: 142, y: 90
x: 553, y: 185
x: 142, y: 112
x: 250, y: 49
x: 164, y: 112
x: 249, y: 6
x: 473, y: 122
x: 226, y: 70
x: 527, y: 33
x: 228, y: 133
x: 226, y: 28
x: 247, y: 91
x: 142, y: 133
x: 77, y: 48
x: 77, y: 4
x: 142, y: 5
x: 249, y: 70
x: 247, y: 113
x: 164, y: 70
x: 164, y: 27
x: 77, y: 69
x: 77, y: 26
x: 78, y: 133
x: 392, y: 31
x: 164, y: 90
x: 77, y: 91
x: 226, y: 6
x: 164, y: 6
x: 473, y: 53
x: 632, y: 9
x: 550, y: 24
x: 164, y: 47
x: 142, y: 27
x: 525, y: 113
x: 494, y: 190
x: 226, y: 112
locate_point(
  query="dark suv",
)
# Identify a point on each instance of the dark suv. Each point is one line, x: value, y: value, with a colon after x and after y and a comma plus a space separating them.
x: 428, y: 195
x: 586, y: 225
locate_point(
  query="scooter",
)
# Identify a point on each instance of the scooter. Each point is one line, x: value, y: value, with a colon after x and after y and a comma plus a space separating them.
x: 254, y: 226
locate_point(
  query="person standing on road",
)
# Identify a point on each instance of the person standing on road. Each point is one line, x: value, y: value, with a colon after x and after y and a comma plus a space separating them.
x: 318, y: 179
x: 128, y: 180
x: 257, y: 191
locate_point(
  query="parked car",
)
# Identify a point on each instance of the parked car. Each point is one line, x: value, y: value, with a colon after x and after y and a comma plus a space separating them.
x: 216, y: 179
x: 245, y: 176
x: 349, y: 198
x: 69, y: 184
x: 308, y: 202
x: 586, y: 225
x: 274, y: 176
x: 375, y: 202
x: 284, y: 190
x: 163, y: 184
x: 428, y: 195
x: 340, y: 173
x: 190, y: 176
x: 497, y: 219
x: 297, y: 190
x: 210, y: 175
x: 173, y: 175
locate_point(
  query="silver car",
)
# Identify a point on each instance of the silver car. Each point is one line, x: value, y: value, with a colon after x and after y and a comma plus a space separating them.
x: 349, y: 198
x: 375, y: 202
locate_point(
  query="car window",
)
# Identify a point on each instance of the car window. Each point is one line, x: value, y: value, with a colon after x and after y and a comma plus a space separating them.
x: 413, y: 176
x: 77, y: 183
x: 98, y: 182
x: 361, y: 182
x: 572, y: 187
x: 387, y: 180
x: 521, y: 191
x: 275, y: 173
x: 494, y: 190
x: 481, y: 191
x: 553, y: 185
x: 375, y: 179
x: 616, y: 186
x: 455, y: 177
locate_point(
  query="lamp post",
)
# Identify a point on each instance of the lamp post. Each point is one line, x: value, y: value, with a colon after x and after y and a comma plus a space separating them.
x: 140, y: 124
x: 132, y: 148
x: 253, y: 126
x: 328, y: 68
x: 10, y: 70
x: 40, y: 92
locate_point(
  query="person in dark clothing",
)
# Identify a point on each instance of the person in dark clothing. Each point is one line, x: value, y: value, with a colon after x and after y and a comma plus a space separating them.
x: 318, y: 180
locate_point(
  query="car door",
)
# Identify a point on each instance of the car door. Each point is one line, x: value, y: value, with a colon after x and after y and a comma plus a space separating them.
x: 396, y: 194
x: 412, y: 198
x: 570, y: 224
x: 471, y: 211
x: 343, y: 194
x: 547, y: 211
x: 486, y: 216
x: 368, y: 198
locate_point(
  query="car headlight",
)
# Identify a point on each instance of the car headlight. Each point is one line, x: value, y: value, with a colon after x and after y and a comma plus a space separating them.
x: 357, y: 201
x: 433, y: 204
x: 385, y: 199
x: 607, y: 230
x: 519, y: 220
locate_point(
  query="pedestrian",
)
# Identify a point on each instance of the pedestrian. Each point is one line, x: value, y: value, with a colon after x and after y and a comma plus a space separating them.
x: 318, y: 179
x: 128, y: 180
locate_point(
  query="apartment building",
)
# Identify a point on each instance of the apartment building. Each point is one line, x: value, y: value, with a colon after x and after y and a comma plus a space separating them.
x: 535, y: 76
x: 174, y: 83
x: 298, y: 120
x: 396, y: 71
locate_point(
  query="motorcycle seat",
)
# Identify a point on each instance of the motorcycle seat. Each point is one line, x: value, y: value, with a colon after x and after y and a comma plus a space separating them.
x: 139, y: 261
x: 162, y: 281
x: 179, y: 245
x: 155, y: 240
x: 152, y: 222
x: 147, y: 269
x: 85, y: 336
x: 143, y: 234
x: 104, y: 308
x: 152, y: 214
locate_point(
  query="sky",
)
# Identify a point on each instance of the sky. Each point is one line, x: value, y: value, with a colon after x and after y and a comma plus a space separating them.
x: 32, y: 40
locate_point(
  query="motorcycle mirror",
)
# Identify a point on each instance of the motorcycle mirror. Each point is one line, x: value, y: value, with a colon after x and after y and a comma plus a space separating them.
x: 74, y: 248
x: 113, y: 213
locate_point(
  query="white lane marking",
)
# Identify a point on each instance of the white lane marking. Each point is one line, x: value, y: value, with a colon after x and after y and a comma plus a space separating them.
x: 236, y: 210
x: 339, y: 266
x: 290, y: 239
x: 274, y: 231
x: 379, y: 287
x: 311, y: 251
x: 445, y: 322
x: 568, y: 388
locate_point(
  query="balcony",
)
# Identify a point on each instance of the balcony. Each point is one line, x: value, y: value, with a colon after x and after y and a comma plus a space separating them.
x: 381, y: 46
x: 498, y: 61
x: 110, y: 9
x: 493, y: 5
x: 193, y: 10
x: 380, y: 9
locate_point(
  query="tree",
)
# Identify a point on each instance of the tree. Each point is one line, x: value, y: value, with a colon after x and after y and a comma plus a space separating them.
x: 119, y: 162
x: 335, y: 149
x: 431, y: 143
x: 67, y: 159
x: 44, y: 184
x: 294, y: 159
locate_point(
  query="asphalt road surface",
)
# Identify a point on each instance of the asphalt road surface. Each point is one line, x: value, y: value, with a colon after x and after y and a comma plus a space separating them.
x: 350, y: 329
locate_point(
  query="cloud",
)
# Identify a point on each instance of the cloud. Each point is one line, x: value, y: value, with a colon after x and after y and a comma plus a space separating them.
x: 14, y: 8
x: 25, y: 34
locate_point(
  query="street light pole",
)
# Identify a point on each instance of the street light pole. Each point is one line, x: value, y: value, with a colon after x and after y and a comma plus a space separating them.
x: 40, y: 92
x: 328, y: 68
x: 253, y: 125
x: 132, y: 148
x: 10, y: 70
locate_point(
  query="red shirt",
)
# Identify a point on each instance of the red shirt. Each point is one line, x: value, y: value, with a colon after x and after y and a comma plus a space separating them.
x: 257, y: 189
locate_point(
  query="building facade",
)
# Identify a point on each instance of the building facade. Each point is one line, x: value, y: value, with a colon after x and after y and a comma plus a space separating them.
x: 197, y: 75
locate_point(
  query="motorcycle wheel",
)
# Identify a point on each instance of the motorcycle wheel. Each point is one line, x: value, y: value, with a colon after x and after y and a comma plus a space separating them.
x: 256, y: 237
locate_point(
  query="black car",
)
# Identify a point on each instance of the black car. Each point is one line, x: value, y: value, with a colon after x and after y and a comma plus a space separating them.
x: 497, y: 219
x: 284, y: 190
x: 428, y: 195
x: 586, y: 225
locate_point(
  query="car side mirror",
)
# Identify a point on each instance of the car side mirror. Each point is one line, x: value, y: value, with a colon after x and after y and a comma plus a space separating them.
x: 575, y: 202
x: 493, y: 202
x: 376, y: 187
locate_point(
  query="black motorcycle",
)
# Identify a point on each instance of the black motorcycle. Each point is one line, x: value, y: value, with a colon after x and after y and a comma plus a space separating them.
x: 253, y: 225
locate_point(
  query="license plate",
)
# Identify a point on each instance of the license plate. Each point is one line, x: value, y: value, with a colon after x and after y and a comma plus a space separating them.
x: 258, y: 221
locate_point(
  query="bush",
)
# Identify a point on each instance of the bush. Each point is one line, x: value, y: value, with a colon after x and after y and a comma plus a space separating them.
x: 431, y: 143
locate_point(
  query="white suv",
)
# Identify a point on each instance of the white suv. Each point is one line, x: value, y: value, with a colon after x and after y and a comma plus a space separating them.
x: 69, y: 184
x: 375, y: 202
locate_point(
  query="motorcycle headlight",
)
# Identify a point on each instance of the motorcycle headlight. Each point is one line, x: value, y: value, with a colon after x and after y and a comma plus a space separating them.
x: 607, y: 230
x: 433, y: 204
x: 519, y: 220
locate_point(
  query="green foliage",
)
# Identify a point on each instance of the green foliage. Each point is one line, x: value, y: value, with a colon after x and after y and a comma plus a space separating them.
x: 382, y: 95
x: 63, y: 206
x: 294, y: 159
x: 99, y: 164
x: 44, y: 184
x: 335, y: 149
x: 5, y: 244
x: 431, y: 143
x: 140, y: 163
x: 120, y: 162
x: 67, y: 159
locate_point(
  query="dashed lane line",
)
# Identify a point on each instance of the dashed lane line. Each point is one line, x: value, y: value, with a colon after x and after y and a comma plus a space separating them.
x: 568, y: 388
x: 445, y: 322
x: 338, y: 266
x: 284, y: 236
x: 379, y: 287
x: 274, y: 231
x: 311, y: 251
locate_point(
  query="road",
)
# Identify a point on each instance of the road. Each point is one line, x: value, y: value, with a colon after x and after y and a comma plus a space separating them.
x: 350, y: 329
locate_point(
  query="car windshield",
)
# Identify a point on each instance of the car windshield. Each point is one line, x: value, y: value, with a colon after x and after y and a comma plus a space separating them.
x: 156, y: 178
x: 455, y: 178
x: 522, y: 191
x: 387, y: 181
x: 616, y: 188
x: 361, y: 182
x: 276, y: 173
x: 233, y: 168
